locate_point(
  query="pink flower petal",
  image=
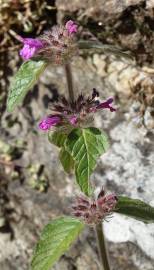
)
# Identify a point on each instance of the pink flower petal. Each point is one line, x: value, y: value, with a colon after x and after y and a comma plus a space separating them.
x: 30, y: 48
x: 71, y: 27
x: 106, y: 105
x: 48, y: 122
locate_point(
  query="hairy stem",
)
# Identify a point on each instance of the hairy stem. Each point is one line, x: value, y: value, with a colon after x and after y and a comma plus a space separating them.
x: 102, y: 247
x: 69, y: 78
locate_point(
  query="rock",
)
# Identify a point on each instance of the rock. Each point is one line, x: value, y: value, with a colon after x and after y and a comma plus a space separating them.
x: 149, y: 3
x: 148, y: 119
x: 129, y: 162
x: 130, y: 230
x: 92, y: 9
x: 87, y: 260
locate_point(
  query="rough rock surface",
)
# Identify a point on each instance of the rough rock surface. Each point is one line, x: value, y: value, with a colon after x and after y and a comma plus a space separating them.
x: 126, y: 23
x: 92, y: 9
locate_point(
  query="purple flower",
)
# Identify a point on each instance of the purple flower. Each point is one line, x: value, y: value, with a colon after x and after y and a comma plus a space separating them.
x: 71, y: 27
x: 49, y: 121
x: 57, y: 45
x: 79, y: 113
x: 30, y: 48
x: 106, y: 105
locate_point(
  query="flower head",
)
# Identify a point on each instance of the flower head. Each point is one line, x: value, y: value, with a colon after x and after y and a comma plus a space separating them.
x: 79, y: 113
x: 57, y: 45
x: 93, y: 211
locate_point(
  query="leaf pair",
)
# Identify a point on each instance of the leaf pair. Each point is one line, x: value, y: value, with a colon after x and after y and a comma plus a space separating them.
x: 81, y: 149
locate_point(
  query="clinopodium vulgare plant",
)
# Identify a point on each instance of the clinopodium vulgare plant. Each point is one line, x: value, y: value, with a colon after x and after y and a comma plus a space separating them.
x: 71, y: 128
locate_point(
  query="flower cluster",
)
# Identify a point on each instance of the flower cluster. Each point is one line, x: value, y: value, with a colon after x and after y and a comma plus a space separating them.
x: 93, y: 211
x: 78, y: 113
x: 57, y: 46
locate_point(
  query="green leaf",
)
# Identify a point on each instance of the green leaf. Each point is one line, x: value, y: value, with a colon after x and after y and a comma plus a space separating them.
x: 24, y: 80
x: 105, y: 48
x: 135, y: 208
x: 55, y: 239
x: 57, y: 138
x: 66, y: 160
x: 85, y: 146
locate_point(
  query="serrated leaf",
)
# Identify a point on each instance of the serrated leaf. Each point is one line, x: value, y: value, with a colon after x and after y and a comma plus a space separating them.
x: 66, y: 160
x: 85, y: 146
x: 135, y: 208
x: 57, y: 138
x: 24, y: 79
x: 55, y: 239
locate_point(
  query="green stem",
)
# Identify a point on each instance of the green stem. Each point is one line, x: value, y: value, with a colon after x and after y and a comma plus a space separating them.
x: 102, y: 247
x: 69, y: 78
